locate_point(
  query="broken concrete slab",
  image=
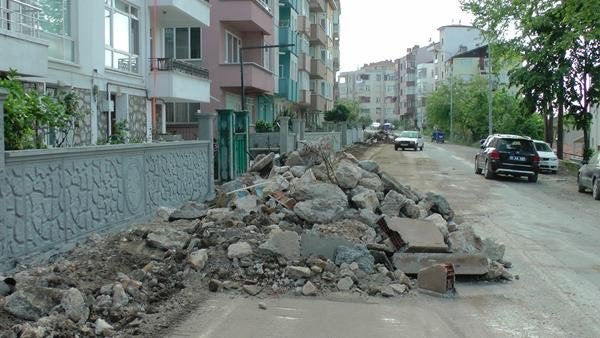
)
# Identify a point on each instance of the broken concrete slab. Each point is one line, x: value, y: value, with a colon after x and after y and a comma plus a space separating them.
x: 393, y: 203
x: 493, y: 250
x: 239, y: 250
x: 369, y: 165
x: 320, y: 190
x: 294, y: 159
x: 440, y: 205
x: 417, y: 235
x: 466, y: 265
x: 166, y: 239
x: 355, y: 254
x: 314, y: 245
x: 373, y: 183
x: 299, y: 272
x: 464, y: 240
x: 318, y: 210
x: 283, y: 243
x: 298, y: 170
x: 246, y: 203
x: 439, y: 279
x: 391, y: 183
x: 440, y: 223
x: 309, y: 289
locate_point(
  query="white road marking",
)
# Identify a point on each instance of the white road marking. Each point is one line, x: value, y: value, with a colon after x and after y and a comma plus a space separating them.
x: 459, y: 159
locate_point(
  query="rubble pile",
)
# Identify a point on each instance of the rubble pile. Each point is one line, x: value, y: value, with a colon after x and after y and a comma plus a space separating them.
x: 304, y: 224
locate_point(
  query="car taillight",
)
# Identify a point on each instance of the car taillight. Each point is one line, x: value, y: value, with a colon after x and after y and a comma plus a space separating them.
x: 494, y: 154
x: 536, y: 159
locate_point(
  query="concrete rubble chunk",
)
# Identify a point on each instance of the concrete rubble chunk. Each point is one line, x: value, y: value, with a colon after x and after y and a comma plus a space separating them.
x: 32, y: 303
x: 366, y: 200
x: 387, y: 291
x: 347, y: 175
x: 399, y: 288
x: 373, y: 183
x: 318, y: 210
x: 164, y: 213
x: 239, y: 250
x: 493, y: 250
x: 440, y: 205
x: 299, y: 272
x: 284, y: 243
x: 438, y: 278
x: 440, y: 223
x: 417, y: 235
x: 276, y: 183
x: 357, y: 253
x: 369, y: 165
x: 369, y: 217
x: 320, y: 190
x: 198, y: 259
x: 309, y: 289
x: 102, y: 328
x: 7, y: 286
x: 391, y: 183
x: 119, y: 296
x: 348, y: 229
x: 215, y: 285
x: 465, y: 241
x: 74, y: 305
x: 312, y: 244
x: 393, y: 203
x: 246, y: 203
x: 262, y: 163
x: 298, y: 170
x: 189, y: 211
x: 308, y: 177
x: 464, y: 264
x: 345, y: 283
x: 294, y: 159
x: 411, y: 210
x: 166, y: 239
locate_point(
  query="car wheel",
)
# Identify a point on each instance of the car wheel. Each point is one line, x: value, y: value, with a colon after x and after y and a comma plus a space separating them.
x: 532, y: 179
x: 580, y: 187
x: 596, y: 190
x: 477, y: 169
x: 402, y: 149
x: 395, y: 148
x: 487, y: 172
x: 422, y: 147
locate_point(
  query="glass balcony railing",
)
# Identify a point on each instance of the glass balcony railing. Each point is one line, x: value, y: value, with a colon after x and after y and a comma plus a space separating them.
x: 288, y: 88
x: 287, y: 35
x: 20, y: 17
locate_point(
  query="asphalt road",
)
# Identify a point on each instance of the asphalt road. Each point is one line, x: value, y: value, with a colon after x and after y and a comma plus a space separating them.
x: 552, y: 237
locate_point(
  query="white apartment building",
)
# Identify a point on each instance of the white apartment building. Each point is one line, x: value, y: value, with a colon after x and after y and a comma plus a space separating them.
x: 425, y: 86
x: 454, y: 39
x: 374, y: 88
x: 103, y: 51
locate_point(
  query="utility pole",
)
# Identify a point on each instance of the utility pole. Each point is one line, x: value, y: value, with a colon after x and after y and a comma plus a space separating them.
x: 451, y: 99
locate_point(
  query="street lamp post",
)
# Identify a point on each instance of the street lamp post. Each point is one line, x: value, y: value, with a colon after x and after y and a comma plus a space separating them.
x: 241, y: 51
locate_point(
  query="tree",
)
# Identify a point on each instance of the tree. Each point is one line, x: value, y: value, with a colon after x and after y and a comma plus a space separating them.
x: 559, y: 43
x: 339, y: 113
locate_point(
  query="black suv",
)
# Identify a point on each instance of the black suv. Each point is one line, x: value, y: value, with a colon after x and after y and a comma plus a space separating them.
x: 508, y: 155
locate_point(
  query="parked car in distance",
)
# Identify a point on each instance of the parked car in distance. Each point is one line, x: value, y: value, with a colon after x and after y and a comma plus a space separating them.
x: 409, y: 139
x: 510, y: 155
x: 438, y: 136
x: 548, y: 159
x: 589, y: 176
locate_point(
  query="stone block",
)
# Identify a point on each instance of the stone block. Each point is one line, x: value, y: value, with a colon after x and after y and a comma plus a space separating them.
x: 411, y: 263
x: 438, y: 278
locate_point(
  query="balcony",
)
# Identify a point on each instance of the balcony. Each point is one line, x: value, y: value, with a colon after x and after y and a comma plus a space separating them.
x: 22, y: 49
x: 179, y: 81
x: 336, y: 31
x: 246, y: 15
x: 317, y: 5
x: 288, y: 89
x: 304, y: 96
x: 287, y: 35
x: 181, y: 13
x: 318, y: 102
x: 318, y: 69
x: 257, y: 79
x: 303, y: 25
x: 304, y: 62
x: 317, y: 35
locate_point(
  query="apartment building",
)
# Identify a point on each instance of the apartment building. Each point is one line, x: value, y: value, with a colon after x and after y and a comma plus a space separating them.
x: 103, y: 52
x: 406, y: 68
x: 454, y: 39
x: 374, y: 88
x: 425, y: 87
x: 322, y: 75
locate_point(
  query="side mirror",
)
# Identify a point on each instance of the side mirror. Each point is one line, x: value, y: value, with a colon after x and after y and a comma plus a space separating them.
x: 482, y: 141
x: 482, y: 146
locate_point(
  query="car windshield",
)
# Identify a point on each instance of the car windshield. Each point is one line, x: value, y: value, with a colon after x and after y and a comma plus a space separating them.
x: 515, y: 145
x: 541, y: 146
x: 409, y: 134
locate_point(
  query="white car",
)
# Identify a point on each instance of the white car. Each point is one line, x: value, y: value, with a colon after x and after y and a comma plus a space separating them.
x: 409, y: 139
x: 548, y: 159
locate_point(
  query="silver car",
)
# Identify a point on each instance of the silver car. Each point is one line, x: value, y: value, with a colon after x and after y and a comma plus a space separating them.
x: 409, y: 139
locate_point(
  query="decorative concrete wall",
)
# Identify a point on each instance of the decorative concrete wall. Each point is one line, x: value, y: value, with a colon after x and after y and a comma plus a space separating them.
x: 264, y: 140
x: 52, y: 197
x: 333, y: 139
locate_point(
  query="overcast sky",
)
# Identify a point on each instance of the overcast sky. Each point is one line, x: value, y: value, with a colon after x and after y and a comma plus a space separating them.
x: 375, y: 30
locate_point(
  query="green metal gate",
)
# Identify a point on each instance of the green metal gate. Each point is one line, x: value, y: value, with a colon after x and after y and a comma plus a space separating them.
x: 233, y: 144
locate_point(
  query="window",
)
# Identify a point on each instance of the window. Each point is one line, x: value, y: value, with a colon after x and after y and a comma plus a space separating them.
x: 378, y: 77
x: 183, y: 43
x: 182, y: 112
x: 121, y: 36
x: 267, y: 57
x: 55, y: 24
x: 232, y: 48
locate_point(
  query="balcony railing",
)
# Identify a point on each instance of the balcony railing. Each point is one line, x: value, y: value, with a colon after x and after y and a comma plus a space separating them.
x: 168, y: 65
x: 20, y: 17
